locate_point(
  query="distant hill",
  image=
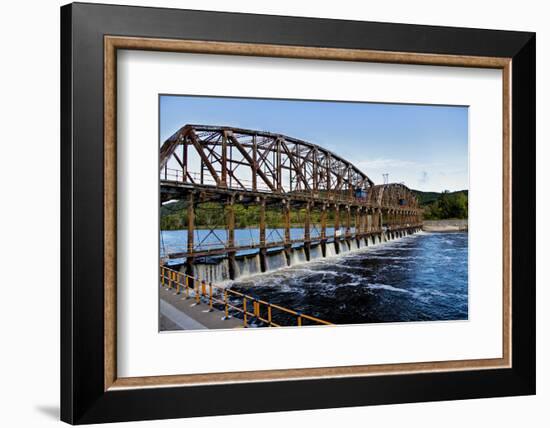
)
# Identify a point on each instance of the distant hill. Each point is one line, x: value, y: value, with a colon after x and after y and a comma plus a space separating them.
x: 427, y: 198
x: 444, y: 205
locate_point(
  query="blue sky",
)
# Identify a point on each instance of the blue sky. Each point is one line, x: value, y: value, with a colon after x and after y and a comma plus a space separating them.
x: 425, y: 147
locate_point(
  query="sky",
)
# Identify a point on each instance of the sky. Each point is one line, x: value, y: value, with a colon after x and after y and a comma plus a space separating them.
x: 424, y: 147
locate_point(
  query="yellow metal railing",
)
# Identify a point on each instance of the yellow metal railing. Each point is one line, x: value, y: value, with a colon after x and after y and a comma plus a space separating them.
x: 249, y: 308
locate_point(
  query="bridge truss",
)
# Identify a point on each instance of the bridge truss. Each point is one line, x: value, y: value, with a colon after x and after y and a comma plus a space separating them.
x: 227, y: 165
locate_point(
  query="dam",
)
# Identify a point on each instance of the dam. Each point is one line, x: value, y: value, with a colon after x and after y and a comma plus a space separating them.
x: 246, y: 263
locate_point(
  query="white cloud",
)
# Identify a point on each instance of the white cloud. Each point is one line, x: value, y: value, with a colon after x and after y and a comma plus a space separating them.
x: 384, y: 163
x: 425, y: 176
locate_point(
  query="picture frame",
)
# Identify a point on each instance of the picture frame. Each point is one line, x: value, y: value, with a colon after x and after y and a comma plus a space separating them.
x: 91, y: 391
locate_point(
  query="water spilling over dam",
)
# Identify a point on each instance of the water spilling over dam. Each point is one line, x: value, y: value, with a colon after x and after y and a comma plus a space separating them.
x: 217, y: 269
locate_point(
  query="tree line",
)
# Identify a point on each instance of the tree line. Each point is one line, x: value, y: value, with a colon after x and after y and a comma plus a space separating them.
x: 210, y: 214
x: 445, y: 205
x: 173, y: 216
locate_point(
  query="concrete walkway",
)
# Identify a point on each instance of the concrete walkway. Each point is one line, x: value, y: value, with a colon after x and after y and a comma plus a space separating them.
x: 179, y: 313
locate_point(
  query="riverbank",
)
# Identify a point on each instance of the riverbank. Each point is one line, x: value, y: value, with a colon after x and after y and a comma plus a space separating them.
x: 450, y: 225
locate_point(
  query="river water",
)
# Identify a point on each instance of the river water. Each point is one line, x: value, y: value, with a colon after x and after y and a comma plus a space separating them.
x: 422, y: 277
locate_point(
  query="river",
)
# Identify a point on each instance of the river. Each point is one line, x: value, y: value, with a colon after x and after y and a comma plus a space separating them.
x: 422, y: 277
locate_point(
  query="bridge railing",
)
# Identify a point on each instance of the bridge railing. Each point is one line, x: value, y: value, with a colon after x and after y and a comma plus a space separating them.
x: 176, y: 175
x: 249, y: 244
x: 250, y: 308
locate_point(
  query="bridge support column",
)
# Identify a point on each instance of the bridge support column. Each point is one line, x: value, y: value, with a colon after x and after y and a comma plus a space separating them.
x: 364, y: 222
x: 263, y: 251
x: 370, y: 213
x: 348, y: 221
x: 324, y: 230
x: 397, y: 216
x: 399, y: 220
x: 307, y: 232
x: 357, y: 222
x: 287, y: 240
x: 184, y: 159
x: 223, y: 178
x: 230, y: 219
x: 254, y: 163
x: 337, y: 228
x: 190, y: 237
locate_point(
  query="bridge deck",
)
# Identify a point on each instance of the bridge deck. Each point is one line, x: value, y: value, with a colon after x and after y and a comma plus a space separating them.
x: 176, y: 189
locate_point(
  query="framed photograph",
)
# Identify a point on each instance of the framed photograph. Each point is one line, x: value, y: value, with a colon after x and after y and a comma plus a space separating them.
x: 308, y: 213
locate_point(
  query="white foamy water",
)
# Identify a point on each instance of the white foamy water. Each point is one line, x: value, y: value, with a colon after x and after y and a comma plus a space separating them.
x: 250, y: 266
x: 247, y: 266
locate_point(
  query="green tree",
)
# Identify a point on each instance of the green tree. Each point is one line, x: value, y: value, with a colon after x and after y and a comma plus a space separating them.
x: 448, y: 205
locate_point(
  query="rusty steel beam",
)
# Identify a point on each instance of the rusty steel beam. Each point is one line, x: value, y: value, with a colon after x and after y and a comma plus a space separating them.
x: 223, y: 161
x: 230, y: 220
x: 348, y: 221
x: 204, y: 157
x: 254, y: 165
x: 190, y: 222
x: 316, y: 166
x: 286, y: 216
x: 323, y: 222
x: 262, y: 222
x: 336, y: 220
x: 296, y: 169
x: 307, y: 223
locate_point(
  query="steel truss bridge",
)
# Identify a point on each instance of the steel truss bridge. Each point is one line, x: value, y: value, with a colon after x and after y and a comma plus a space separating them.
x: 240, y: 166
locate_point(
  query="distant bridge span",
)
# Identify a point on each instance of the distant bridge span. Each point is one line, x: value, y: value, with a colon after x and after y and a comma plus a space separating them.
x: 231, y: 165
